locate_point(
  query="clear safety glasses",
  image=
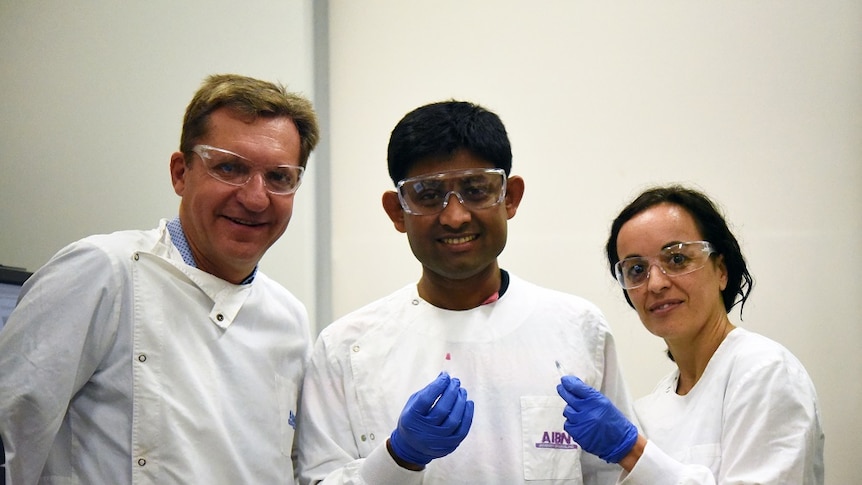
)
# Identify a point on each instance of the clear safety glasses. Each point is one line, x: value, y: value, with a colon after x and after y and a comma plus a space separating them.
x: 475, y: 189
x: 674, y: 260
x: 234, y: 169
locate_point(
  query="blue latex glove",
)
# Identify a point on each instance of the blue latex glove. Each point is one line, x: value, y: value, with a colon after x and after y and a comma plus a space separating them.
x: 433, y: 423
x: 594, y: 422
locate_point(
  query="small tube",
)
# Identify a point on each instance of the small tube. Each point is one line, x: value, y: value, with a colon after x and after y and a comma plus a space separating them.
x: 560, y: 368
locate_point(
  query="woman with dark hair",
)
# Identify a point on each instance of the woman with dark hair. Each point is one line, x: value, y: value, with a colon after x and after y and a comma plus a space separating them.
x: 739, y: 407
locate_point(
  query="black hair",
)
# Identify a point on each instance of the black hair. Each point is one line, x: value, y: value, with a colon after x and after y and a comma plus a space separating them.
x: 438, y: 130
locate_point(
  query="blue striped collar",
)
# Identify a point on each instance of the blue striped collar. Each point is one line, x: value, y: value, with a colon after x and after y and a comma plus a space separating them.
x: 178, y: 237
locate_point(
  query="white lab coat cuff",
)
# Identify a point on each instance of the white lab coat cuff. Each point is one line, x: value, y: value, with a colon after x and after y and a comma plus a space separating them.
x: 380, y: 468
x: 655, y: 467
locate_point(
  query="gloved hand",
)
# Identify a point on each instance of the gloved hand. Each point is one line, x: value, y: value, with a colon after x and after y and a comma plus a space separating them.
x: 594, y: 422
x: 433, y: 423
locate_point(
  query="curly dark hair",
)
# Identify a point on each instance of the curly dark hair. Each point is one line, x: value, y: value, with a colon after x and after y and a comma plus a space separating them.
x: 712, y: 227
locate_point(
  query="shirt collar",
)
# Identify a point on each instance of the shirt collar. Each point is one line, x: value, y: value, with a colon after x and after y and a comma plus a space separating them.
x: 178, y: 238
x: 504, y: 285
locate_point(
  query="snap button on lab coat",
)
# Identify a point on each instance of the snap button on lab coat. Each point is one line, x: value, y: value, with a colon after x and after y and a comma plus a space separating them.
x: 142, y: 357
x: 142, y: 462
x: 415, y: 302
x: 136, y: 256
x: 220, y: 317
x: 356, y: 348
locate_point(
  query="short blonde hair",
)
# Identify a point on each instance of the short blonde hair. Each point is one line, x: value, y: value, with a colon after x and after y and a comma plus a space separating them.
x: 252, y: 98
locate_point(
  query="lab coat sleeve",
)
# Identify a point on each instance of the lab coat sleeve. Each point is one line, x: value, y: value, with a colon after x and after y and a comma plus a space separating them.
x: 771, y: 433
x: 326, y: 444
x: 657, y: 468
x: 51, y: 345
x: 613, y: 386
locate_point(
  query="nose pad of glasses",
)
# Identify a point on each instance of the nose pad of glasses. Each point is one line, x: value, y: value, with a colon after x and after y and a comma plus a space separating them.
x: 253, y: 181
x: 255, y: 190
x: 656, y: 265
x: 449, y: 195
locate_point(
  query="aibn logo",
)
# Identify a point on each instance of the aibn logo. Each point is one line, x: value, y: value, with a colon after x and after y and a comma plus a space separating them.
x: 558, y: 440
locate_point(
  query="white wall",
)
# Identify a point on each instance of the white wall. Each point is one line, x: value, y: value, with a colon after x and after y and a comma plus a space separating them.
x: 91, y: 106
x: 757, y: 103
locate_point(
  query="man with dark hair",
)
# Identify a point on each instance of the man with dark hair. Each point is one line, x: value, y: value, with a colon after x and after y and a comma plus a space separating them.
x: 166, y: 356
x: 491, y: 415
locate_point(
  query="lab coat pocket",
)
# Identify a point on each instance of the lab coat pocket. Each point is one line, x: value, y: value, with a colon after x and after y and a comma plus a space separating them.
x: 549, y: 452
x: 708, y: 455
x: 286, y: 389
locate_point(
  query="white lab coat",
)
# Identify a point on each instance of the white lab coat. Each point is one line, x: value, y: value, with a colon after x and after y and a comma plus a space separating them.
x: 752, y: 417
x: 366, y: 365
x: 122, y: 364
